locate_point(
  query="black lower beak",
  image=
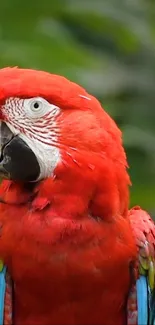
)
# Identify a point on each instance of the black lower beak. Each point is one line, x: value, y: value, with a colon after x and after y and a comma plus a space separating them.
x: 17, y: 162
x: 3, y: 172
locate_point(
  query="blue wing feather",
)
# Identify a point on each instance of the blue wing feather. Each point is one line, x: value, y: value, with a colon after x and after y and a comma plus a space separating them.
x: 2, y: 293
x: 145, y: 302
x: 142, y: 300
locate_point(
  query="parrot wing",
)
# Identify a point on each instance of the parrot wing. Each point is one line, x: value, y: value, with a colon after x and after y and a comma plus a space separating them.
x: 6, y: 287
x: 141, y: 301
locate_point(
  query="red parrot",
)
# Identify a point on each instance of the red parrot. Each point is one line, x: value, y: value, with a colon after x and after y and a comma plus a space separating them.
x: 75, y: 253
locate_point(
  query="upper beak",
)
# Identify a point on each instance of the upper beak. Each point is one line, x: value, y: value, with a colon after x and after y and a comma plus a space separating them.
x: 5, y: 137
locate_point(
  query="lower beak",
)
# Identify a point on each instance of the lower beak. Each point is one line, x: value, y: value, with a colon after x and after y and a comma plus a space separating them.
x: 3, y: 172
x: 17, y: 161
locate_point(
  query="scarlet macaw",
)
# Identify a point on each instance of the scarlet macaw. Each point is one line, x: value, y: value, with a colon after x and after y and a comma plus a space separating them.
x: 75, y: 253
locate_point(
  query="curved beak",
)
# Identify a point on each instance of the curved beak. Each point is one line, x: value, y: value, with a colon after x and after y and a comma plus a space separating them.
x: 5, y: 137
x: 17, y: 161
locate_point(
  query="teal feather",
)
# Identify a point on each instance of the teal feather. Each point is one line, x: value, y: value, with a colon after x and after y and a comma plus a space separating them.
x: 145, y: 302
x: 2, y: 293
x: 142, y: 300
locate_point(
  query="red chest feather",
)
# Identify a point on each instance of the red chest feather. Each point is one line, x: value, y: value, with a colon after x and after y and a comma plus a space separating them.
x: 66, y: 271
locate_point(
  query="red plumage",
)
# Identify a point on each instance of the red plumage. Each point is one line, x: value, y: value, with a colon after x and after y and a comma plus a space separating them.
x: 68, y: 241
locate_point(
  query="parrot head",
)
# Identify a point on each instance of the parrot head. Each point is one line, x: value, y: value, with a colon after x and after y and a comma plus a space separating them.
x: 50, y: 126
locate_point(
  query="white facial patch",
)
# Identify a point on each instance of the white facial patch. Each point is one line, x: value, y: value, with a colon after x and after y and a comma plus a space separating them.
x: 48, y: 156
x: 34, y: 121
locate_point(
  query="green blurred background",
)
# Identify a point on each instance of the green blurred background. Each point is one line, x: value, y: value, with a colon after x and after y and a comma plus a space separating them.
x: 108, y: 46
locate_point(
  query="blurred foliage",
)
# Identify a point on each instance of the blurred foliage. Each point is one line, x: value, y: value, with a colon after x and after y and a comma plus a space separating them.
x: 108, y: 46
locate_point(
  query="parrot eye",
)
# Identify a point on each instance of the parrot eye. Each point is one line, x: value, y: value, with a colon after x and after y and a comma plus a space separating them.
x: 38, y: 107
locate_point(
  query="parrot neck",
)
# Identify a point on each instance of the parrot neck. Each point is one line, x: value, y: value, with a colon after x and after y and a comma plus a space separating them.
x: 75, y: 190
